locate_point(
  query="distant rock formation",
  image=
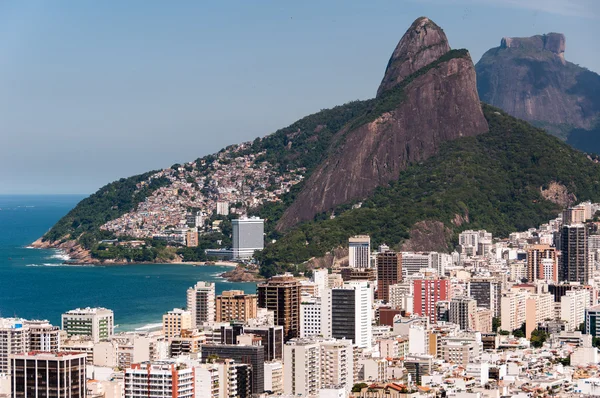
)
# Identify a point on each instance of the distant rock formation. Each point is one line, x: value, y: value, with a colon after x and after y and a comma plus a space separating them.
x: 529, y: 78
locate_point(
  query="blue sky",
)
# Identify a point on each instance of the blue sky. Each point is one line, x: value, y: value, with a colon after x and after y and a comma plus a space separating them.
x: 93, y: 91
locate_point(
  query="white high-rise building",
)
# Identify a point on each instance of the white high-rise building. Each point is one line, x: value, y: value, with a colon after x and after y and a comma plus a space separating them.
x: 572, y: 307
x: 159, y: 380
x: 311, y: 318
x: 201, y: 303
x: 301, y: 367
x: 320, y: 278
x: 14, y: 339
x: 247, y: 236
x: 97, y: 323
x: 359, y: 251
x: 348, y: 313
x: 313, y: 364
x: 439, y: 262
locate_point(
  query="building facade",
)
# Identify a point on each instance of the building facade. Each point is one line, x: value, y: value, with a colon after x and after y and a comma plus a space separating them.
x: 235, y: 305
x: 389, y: 272
x: 43, y: 374
x: 281, y: 294
x: 247, y: 236
x: 201, y: 303
x: 427, y: 292
x: 575, y: 256
x: 359, y: 251
x: 97, y: 323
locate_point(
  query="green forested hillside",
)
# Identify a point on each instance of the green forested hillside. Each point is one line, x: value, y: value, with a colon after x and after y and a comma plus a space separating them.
x: 494, y: 178
x: 108, y: 203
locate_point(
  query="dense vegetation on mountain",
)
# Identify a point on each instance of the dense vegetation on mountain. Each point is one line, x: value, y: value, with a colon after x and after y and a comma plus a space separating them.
x: 493, y: 180
x: 108, y: 203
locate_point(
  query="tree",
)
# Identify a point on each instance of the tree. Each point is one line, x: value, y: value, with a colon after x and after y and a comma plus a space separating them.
x: 538, y: 337
x: 520, y: 332
x: 495, y: 324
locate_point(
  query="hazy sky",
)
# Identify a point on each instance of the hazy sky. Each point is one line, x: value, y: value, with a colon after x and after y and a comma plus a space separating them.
x: 91, y: 91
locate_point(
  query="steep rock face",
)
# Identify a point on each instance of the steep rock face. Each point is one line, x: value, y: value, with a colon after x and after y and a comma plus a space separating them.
x: 438, y: 103
x: 530, y: 79
x: 423, y: 43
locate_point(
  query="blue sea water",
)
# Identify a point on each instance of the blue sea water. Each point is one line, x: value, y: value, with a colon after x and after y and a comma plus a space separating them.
x: 34, y: 284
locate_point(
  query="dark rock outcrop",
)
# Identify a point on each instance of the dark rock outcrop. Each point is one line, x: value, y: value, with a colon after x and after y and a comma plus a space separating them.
x: 530, y: 79
x: 434, y: 104
x: 423, y: 43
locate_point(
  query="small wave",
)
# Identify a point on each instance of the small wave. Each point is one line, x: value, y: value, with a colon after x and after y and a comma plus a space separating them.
x: 150, y: 326
x: 60, y: 256
x: 59, y: 265
x: 29, y: 247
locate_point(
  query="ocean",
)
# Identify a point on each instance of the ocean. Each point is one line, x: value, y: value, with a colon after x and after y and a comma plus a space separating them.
x: 34, y: 284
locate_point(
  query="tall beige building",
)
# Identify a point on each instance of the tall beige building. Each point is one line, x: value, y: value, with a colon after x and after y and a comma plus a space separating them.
x: 483, y: 320
x: 512, y: 310
x: 175, y: 321
x: 538, y: 307
x: 234, y: 305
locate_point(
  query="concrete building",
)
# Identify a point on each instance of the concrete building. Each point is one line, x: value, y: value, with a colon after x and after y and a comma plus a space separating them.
x: 401, y: 296
x: 359, y: 251
x: 389, y: 272
x: 427, y: 293
x: 201, y: 303
x: 253, y: 355
x: 14, y: 339
x: 247, y: 236
x: 159, y: 380
x: 222, y: 208
x: 462, y: 312
x: 337, y: 364
x: 191, y: 237
x: 320, y: 278
x: 572, y: 307
x: 175, y: 321
x: 281, y: 294
x: 271, y: 338
x: 43, y: 374
x: 575, y: 256
x: 483, y: 320
x: 235, y: 305
x: 43, y: 336
x: 312, y: 323
x: 486, y: 291
x: 413, y: 263
x: 274, y: 377
x: 348, y: 313
x: 592, y: 321
x: 301, y: 367
x: 542, y: 263
x: 513, y: 313
x: 538, y: 308
x: 97, y: 323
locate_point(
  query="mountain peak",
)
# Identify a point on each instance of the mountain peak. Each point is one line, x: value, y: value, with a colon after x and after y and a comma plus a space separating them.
x: 423, y: 43
x: 553, y: 42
